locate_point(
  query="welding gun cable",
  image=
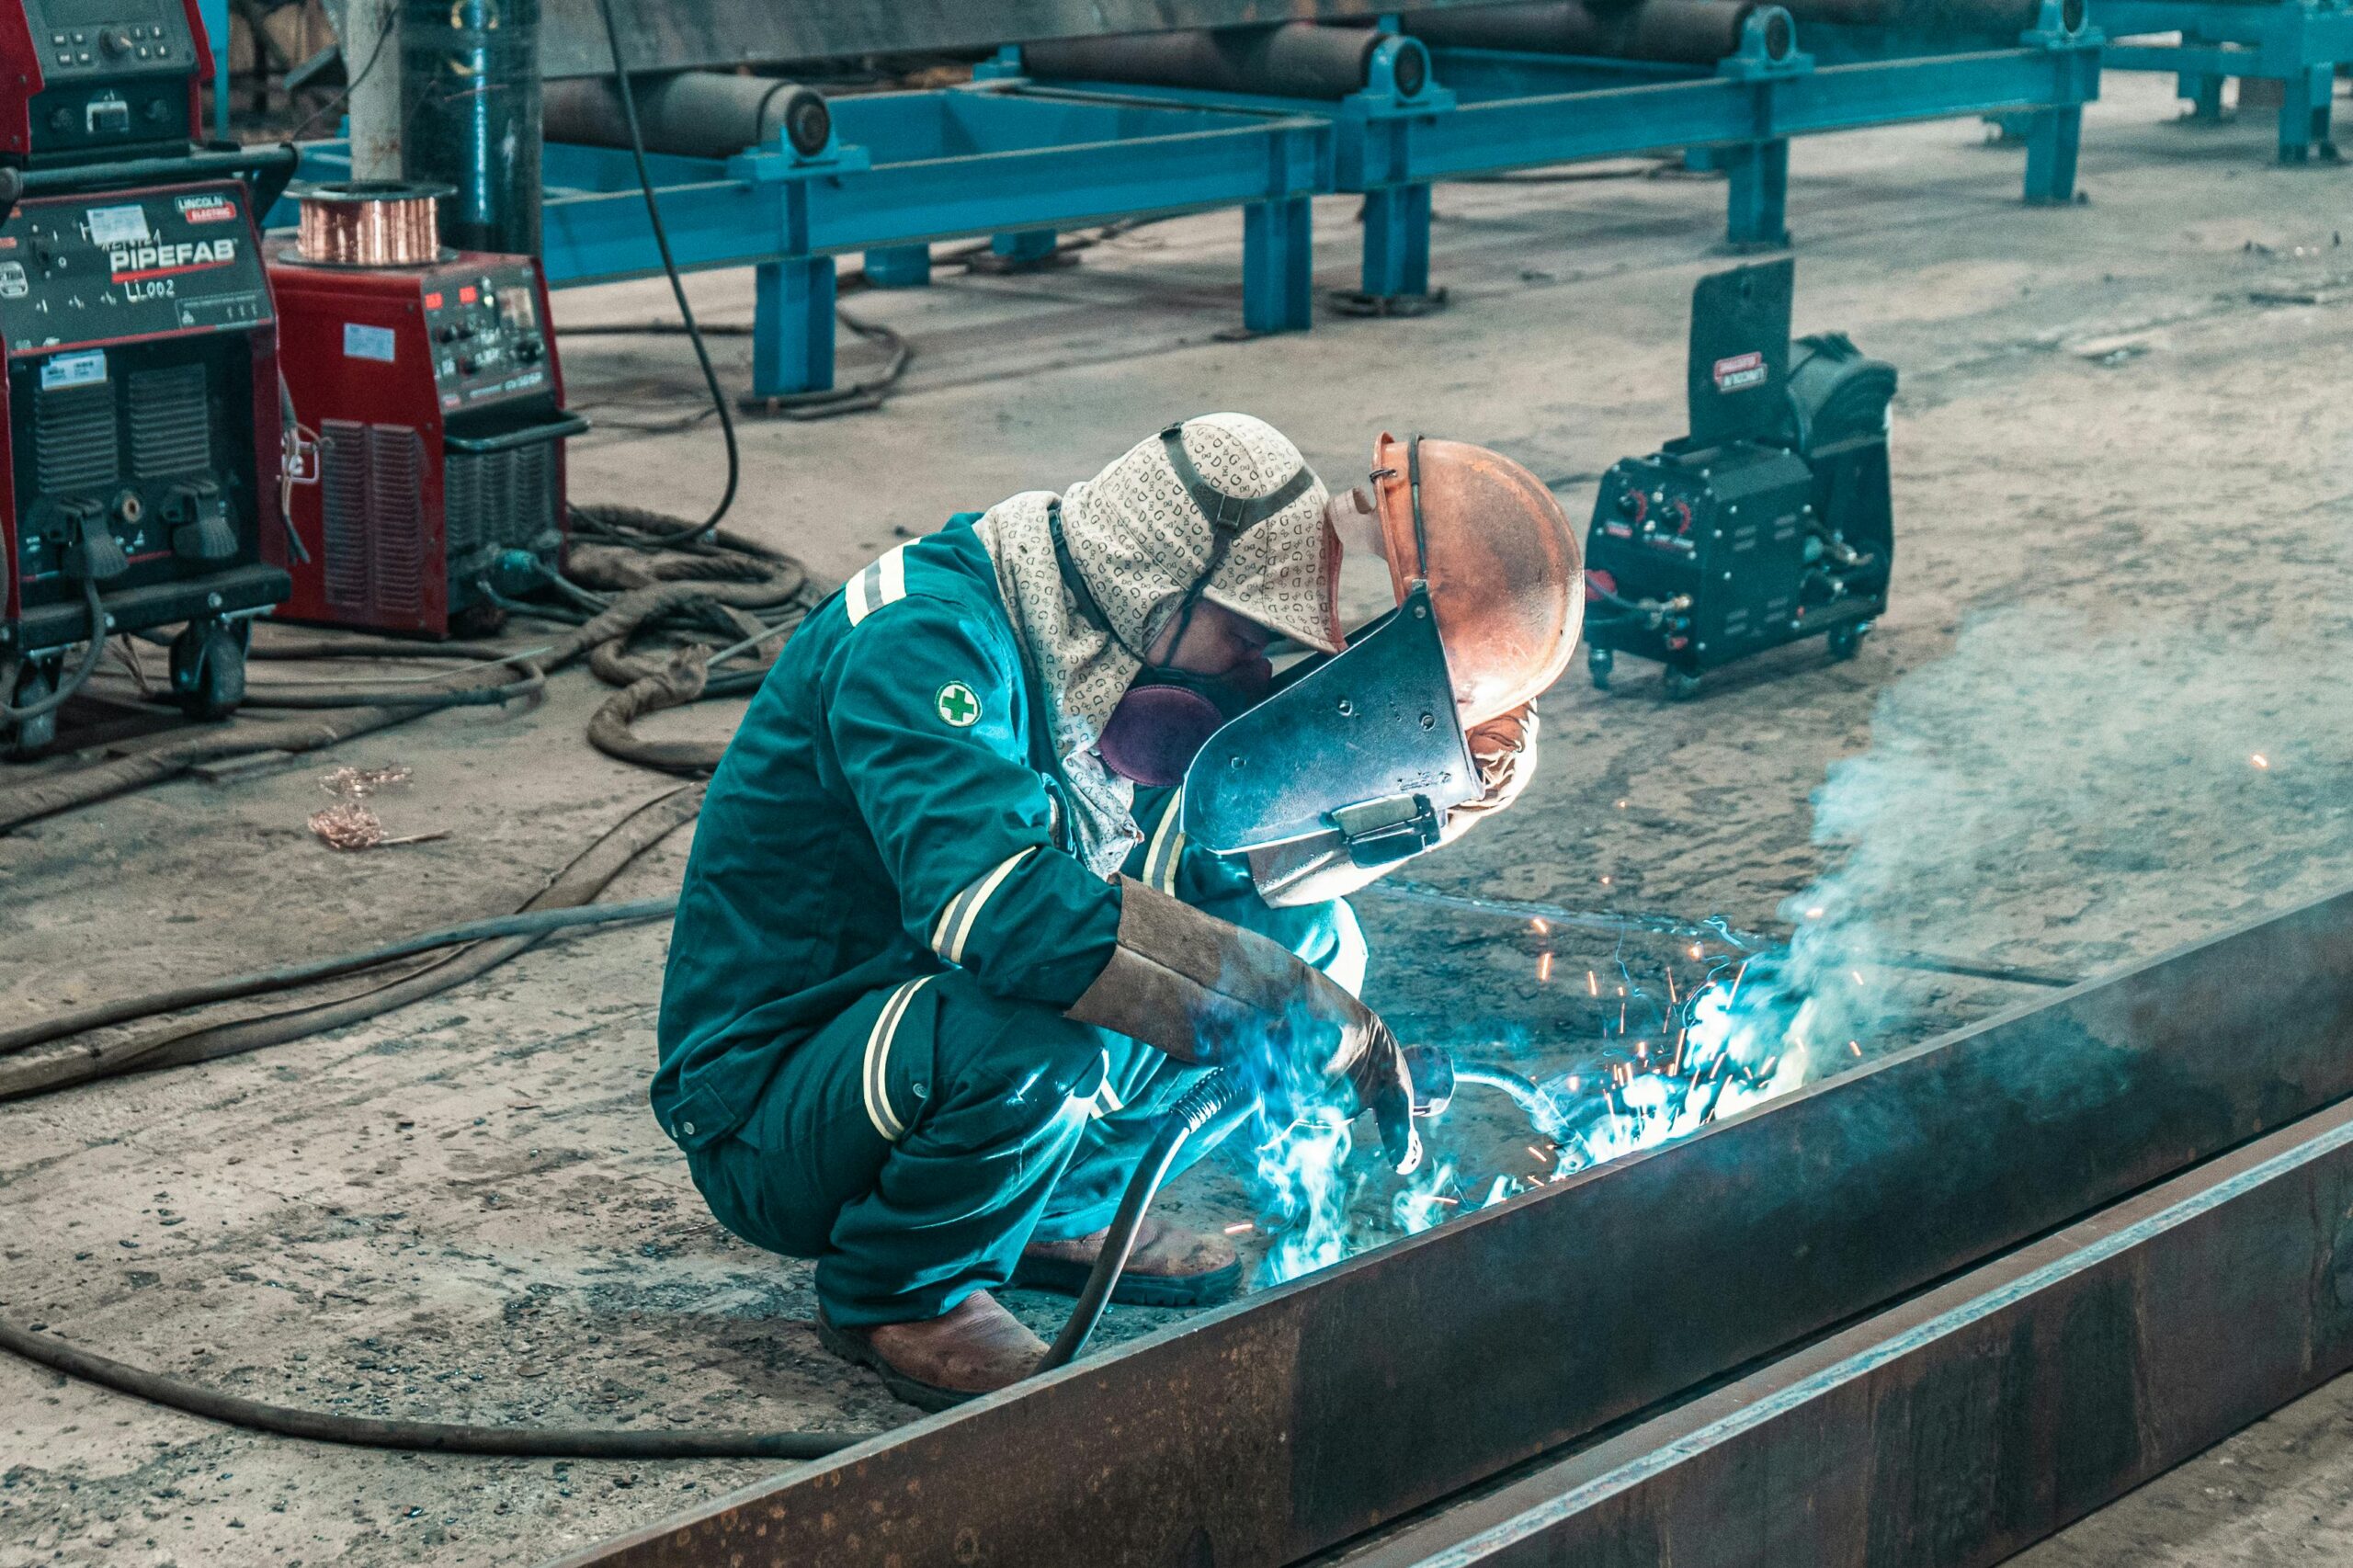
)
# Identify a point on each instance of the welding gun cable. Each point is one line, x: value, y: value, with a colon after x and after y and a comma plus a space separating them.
x: 423, y: 1437
x: 1210, y: 1108
x: 80, y: 676
x: 670, y: 268
x: 181, y: 1045
x: 131, y: 1010
x: 1523, y: 1091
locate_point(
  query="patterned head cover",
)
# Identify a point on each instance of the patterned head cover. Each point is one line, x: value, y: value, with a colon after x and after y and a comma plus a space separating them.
x: 1140, y: 539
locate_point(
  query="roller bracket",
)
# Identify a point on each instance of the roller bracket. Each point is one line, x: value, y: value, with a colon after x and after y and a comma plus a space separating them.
x: 1769, y: 47
x: 2064, y: 24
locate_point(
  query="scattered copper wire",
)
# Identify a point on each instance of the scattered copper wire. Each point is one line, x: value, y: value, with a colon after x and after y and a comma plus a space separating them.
x: 352, y: 827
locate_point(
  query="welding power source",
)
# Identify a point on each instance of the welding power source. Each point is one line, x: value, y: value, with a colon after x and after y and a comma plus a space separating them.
x: 433, y: 385
x: 140, y: 437
x: 1771, y: 521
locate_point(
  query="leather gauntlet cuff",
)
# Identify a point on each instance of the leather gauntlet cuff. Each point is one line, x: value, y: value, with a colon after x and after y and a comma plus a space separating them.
x: 1206, y: 990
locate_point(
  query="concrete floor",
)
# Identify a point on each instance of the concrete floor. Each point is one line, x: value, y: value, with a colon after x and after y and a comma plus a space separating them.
x: 2123, y: 489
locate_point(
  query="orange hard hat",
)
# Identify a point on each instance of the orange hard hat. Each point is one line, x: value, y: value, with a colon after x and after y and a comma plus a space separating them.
x: 1505, y: 575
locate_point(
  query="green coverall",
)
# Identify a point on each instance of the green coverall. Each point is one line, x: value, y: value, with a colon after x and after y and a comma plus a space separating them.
x: 863, y: 1052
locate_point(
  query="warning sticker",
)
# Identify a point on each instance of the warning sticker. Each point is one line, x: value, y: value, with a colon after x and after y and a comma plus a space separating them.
x: 1740, y: 370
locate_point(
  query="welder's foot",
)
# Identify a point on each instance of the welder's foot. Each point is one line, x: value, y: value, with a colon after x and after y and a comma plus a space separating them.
x: 978, y: 1348
x: 1170, y: 1266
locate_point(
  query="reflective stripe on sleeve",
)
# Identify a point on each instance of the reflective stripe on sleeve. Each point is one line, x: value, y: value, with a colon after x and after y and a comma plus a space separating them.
x: 955, y: 927
x: 876, y: 1081
x: 884, y: 582
x: 1167, y: 847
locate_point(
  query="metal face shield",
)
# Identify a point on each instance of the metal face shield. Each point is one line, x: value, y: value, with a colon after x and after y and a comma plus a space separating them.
x: 1365, y: 745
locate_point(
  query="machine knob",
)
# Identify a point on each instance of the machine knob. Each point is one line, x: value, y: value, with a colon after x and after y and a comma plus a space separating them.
x: 467, y: 366
x: 114, y: 41
x: 527, y: 351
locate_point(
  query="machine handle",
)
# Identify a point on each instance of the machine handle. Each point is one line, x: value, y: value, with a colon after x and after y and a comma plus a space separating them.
x: 267, y: 169
x: 555, y: 430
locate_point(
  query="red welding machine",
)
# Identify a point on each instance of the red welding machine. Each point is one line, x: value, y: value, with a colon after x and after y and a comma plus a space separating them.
x: 139, y: 440
x: 429, y: 378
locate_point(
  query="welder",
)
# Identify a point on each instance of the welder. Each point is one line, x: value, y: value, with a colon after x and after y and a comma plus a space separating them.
x: 944, y: 952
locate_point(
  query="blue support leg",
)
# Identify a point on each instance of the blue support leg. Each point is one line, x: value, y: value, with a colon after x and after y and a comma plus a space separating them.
x: 1031, y: 247
x: 1277, y: 265
x: 898, y: 266
x: 2051, y: 141
x: 1397, y: 241
x: 792, y: 327
x: 1758, y: 198
x: 2204, y: 93
x: 2304, y: 113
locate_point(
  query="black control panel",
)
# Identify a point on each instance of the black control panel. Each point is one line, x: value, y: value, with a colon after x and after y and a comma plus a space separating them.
x: 115, y: 76
x: 487, y: 341
x: 103, y: 269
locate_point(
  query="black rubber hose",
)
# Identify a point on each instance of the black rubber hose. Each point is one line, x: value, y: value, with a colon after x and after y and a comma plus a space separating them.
x: 130, y: 1009
x: 1212, y: 1106
x: 82, y: 673
x: 427, y: 1436
x: 670, y: 268
x: 179, y: 1044
x: 1217, y: 1103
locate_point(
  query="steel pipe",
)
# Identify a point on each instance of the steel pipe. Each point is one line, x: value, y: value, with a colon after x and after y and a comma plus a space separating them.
x: 696, y: 114
x: 1293, y: 1420
x: 1293, y: 59
x: 1685, y: 32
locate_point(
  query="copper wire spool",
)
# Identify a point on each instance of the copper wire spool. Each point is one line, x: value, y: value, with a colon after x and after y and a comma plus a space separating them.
x: 372, y: 223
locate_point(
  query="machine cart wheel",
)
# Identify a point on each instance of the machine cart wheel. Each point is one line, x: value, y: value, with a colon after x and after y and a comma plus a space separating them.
x: 26, y: 683
x: 1848, y: 639
x: 1598, y: 663
x: 1681, y: 686
x: 209, y: 667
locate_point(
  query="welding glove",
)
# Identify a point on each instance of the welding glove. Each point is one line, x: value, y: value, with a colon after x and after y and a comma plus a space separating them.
x: 1505, y: 750
x: 1208, y: 993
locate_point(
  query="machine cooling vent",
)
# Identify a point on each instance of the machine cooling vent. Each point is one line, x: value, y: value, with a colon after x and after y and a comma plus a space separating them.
x: 171, y: 425
x: 372, y: 515
x: 500, y: 500
x: 73, y: 440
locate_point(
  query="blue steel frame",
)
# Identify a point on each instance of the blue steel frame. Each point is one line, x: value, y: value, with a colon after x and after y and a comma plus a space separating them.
x: 2298, y: 44
x: 1019, y: 160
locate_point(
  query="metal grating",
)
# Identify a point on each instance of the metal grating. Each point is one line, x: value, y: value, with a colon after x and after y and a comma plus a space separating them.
x: 171, y: 423
x: 74, y: 442
x: 372, y: 509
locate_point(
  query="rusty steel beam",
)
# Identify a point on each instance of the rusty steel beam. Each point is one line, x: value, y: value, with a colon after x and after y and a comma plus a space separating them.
x: 1270, y: 1429
x: 697, y: 35
x: 1974, y: 1421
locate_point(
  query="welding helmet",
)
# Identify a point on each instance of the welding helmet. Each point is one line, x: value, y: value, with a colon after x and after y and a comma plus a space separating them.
x: 1505, y: 571
x: 1369, y: 744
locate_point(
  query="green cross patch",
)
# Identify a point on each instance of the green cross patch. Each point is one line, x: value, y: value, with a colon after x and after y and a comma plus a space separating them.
x: 957, y: 704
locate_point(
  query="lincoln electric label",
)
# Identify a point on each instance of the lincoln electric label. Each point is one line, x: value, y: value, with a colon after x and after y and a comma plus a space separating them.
x: 1740, y: 370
